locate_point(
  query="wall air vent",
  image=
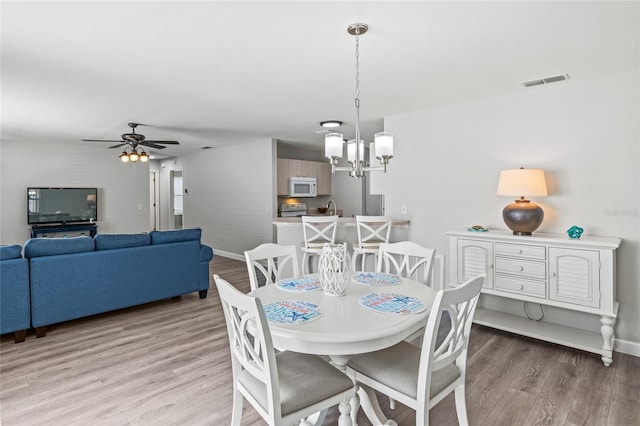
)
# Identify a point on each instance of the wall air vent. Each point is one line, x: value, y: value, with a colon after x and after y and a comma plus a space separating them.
x: 546, y: 80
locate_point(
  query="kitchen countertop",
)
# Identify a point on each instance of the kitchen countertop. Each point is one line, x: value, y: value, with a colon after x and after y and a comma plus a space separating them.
x: 342, y: 222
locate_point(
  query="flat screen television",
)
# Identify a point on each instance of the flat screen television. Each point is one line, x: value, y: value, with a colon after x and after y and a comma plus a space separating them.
x: 49, y: 206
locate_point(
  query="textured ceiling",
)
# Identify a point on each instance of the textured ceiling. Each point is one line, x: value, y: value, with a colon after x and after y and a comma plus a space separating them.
x: 215, y: 73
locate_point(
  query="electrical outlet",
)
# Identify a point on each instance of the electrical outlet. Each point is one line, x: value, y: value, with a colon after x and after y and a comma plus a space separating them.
x: 403, y: 209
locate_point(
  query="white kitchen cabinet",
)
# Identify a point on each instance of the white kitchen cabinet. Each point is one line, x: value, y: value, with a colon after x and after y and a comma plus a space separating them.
x: 549, y: 269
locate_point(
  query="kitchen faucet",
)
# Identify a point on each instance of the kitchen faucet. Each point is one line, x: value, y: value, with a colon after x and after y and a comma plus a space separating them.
x: 335, y: 208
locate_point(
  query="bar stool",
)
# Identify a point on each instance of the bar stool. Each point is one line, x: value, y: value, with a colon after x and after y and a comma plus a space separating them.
x: 372, y: 231
x: 317, y: 231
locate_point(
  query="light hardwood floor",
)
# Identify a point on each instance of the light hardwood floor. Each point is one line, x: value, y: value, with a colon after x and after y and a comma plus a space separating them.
x: 167, y: 363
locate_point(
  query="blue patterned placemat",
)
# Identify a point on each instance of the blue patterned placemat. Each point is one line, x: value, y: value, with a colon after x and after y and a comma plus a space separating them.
x: 392, y: 303
x: 376, y: 278
x: 292, y: 312
x: 300, y: 284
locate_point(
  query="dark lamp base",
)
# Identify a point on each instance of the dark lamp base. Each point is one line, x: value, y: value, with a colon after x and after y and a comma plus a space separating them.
x: 523, y: 217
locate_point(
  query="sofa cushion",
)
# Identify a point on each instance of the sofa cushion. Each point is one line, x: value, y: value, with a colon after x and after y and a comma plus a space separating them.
x: 175, y: 236
x: 10, y: 252
x: 37, y: 247
x: 116, y: 241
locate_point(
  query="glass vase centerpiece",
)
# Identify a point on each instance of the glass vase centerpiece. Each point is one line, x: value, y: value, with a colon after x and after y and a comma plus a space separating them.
x: 334, y: 269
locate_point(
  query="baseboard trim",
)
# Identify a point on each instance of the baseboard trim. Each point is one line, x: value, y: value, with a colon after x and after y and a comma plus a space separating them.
x: 627, y: 347
x: 230, y: 255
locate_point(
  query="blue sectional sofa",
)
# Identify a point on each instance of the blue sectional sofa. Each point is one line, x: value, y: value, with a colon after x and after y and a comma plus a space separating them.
x: 76, y: 277
x: 15, y: 310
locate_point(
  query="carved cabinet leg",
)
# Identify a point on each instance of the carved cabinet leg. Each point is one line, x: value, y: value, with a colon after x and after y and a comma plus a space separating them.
x: 607, y: 335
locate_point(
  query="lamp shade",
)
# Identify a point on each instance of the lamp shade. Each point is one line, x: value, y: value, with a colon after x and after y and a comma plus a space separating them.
x: 351, y: 151
x: 384, y: 144
x: 333, y: 145
x: 522, y: 183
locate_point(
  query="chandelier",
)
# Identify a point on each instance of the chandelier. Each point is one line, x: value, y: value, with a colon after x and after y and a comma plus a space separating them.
x: 134, y: 155
x: 333, y: 142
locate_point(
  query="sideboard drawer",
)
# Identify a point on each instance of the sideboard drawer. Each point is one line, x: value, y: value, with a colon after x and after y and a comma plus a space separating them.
x: 534, y: 252
x: 521, y: 267
x: 514, y: 285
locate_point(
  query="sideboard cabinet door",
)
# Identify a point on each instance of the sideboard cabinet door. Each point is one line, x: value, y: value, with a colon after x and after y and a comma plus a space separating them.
x: 574, y: 276
x: 475, y: 258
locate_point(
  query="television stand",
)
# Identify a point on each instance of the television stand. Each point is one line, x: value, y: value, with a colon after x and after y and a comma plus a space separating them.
x: 55, y: 229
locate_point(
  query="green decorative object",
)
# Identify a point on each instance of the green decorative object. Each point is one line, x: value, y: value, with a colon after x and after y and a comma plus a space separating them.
x: 575, y: 232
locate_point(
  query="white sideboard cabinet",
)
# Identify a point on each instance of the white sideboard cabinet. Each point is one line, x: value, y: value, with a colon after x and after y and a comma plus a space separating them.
x: 549, y: 269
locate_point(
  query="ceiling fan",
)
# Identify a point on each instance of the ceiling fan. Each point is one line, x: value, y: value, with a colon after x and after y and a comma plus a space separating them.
x: 132, y: 141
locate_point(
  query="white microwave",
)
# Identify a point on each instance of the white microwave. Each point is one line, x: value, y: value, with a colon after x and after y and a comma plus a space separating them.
x: 303, y: 187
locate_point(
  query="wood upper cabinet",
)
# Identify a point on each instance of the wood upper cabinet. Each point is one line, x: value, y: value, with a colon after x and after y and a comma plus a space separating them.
x: 283, y: 176
x: 301, y: 168
x: 323, y: 174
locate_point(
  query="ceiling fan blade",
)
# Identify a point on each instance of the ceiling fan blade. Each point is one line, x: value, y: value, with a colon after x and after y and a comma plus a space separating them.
x: 152, y: 145
x: 118, y: 146
x: 99, y: 140
x: 165, y: 142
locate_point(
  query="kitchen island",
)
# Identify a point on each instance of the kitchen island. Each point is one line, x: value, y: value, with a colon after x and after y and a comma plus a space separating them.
x: 289, y: 231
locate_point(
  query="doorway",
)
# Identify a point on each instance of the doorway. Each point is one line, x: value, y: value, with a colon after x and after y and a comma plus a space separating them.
x: 176, y: 195
x: 154, y: 211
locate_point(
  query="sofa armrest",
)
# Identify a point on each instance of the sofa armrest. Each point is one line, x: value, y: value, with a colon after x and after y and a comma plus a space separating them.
x: 206, y: 253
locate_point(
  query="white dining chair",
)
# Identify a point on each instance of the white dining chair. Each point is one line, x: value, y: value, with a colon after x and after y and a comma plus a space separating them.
x: 286, y: 387
x: 421, y: 377
x: 372, y: 231
x: 273, y: 261
x: 407, y: 259
x: 316, y: 230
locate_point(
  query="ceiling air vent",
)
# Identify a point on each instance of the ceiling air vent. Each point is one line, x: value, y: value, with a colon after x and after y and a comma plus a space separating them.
x: 546, y: 80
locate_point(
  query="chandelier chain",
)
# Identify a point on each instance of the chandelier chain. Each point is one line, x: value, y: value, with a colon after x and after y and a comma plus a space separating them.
x: 357, y: 71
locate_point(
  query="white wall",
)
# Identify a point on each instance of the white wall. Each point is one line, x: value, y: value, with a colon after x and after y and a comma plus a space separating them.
x: 231, y: 193
x: 123, y: 189
x: 584, y: 134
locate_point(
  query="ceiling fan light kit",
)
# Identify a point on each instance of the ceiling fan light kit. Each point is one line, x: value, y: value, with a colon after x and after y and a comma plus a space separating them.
x: 132, y: 141
x: 331, y: 123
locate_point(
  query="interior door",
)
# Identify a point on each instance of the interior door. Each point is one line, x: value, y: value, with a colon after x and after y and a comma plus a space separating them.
x: 154, y: 215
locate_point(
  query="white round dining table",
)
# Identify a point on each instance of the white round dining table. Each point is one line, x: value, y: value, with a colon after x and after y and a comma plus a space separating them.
x: 345, y: 327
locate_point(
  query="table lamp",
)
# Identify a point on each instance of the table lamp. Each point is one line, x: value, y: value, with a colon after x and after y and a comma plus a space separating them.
x: 522, y: 216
